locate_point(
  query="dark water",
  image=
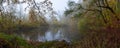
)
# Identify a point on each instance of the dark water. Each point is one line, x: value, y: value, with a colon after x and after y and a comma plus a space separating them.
x: 51, y: 33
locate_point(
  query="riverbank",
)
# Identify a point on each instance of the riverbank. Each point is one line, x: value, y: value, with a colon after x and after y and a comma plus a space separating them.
x: 101, y: 39
x: 11, y: 41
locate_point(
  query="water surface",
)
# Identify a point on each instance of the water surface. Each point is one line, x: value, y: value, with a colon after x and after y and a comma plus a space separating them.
x: 51, y: 33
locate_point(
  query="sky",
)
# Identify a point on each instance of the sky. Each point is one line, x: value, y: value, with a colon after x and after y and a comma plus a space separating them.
x: 60, y: 5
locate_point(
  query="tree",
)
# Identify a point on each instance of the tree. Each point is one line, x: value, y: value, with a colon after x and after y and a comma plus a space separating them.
x: 42, y: 8
x: 96, y: 13
x: 101, y: 6
x: 32, y: 16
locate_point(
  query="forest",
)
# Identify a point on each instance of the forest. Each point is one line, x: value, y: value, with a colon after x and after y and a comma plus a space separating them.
x: 82, y: 24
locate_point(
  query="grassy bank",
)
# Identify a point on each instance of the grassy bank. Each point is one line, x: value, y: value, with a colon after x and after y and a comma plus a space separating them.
x: 11, y: 41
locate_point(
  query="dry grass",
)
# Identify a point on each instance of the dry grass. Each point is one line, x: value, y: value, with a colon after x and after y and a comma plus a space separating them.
x: 102, y: 38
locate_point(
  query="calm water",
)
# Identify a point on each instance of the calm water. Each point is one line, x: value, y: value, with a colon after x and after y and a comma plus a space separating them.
x: 51, y: 33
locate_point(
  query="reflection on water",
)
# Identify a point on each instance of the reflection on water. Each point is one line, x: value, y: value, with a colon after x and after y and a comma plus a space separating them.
x: 51, y: 33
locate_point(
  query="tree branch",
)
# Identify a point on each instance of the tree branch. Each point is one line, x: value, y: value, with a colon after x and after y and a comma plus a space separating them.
x: 111, y: 10
x: 107, y: 8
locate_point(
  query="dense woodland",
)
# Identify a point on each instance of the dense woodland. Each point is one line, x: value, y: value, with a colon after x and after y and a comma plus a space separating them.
x: 97, y: 20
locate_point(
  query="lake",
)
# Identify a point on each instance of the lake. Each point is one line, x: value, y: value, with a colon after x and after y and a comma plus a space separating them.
x: 51, y: 33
